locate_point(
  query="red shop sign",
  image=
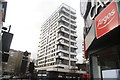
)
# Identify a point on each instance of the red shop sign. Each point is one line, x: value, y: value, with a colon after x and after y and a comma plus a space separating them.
x: 107, y: 20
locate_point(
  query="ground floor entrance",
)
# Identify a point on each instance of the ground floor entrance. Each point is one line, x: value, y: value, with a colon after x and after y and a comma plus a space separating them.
x: 105, y: 64
x: 53, y: 75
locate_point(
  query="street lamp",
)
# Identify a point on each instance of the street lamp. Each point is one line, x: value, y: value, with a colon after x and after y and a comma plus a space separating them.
x: 6, y: 39
x: 5, y: 42
x: 4, y: 28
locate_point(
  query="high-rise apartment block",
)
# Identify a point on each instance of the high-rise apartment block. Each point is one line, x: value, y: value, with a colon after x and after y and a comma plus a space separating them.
x: 57, y: 46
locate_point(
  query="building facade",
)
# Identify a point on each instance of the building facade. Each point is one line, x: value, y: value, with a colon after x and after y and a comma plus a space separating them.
x: 16, y: 63
x: 57, y: 46
x: 101, y: 37
x: 11, y: 66
x: 3, y: 5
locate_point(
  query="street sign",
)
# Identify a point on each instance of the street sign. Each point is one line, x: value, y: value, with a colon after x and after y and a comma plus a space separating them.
x: 107, y: 20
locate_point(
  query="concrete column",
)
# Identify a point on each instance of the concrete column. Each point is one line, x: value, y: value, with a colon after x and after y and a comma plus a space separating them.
x: 0, y: 51
x: 96, y: 71
x: 0, y: 45
x: 0, y: 39
x: 0, y: 63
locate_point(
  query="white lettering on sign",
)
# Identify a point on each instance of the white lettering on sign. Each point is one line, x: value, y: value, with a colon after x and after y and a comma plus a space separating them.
x: 106, y: 18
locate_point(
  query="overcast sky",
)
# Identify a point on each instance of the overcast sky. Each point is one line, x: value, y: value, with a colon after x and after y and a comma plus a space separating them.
x: 26, y: 18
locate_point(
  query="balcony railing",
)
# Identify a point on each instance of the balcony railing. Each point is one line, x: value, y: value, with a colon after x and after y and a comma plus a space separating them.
x: 70, y: 12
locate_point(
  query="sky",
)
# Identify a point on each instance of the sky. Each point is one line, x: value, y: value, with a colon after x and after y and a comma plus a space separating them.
x: 27, y: 16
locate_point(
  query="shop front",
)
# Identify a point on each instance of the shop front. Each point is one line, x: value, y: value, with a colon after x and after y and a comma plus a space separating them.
x: 102, y: 39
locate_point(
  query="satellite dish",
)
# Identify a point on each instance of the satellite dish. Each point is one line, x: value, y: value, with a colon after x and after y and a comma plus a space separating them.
x: 62, y: 29
x: 60, y: 54
x: 61, y: 40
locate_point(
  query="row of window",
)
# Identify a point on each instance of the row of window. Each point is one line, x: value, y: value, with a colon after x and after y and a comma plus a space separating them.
x: 41, y: 58
x: 49, y: 25
x: 49, y: 64
x: 53, y: 28
x: 49, y: 56
x: 66, y: 48
x: 42, y: 47
x: 42, y: 51
x: 51, y: 51
x: 46, y: 47
x: 40, y: 55
x: 54, y: 18
x: 41, y: 62
x: 48, y: 51
x: 50, y: 44
x: 51, y: 47
x: 49, y: 60
x: 49, y: 29
x: 43, y: 41
x: 59, y: 61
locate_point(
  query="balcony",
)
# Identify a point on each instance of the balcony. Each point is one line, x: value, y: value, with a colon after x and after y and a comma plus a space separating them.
x: 73, y: 53
x: 73, y: 28
x: 73, y: 50
x: 73, y: 59
x: 63, y: 48
x: 69, y: 9
x: 63, y: 26
x: 59, y: 68
x: 67, y: 19
x: 74, y: 25
x: 62, y: 29
x: 73, y: 21
x: 62, y: 57
x: 67, y: 27
x: 66, y: 38
x: 62, y: 22
x: 62, y: 60
x: 74, y: 46
x: 62, y: 42
x: 62, y: 54
x: 63, y: 35
x: 75, y: 35
x: 68, y: 12
x: 73, y: 38
x: 73, y: 17
x: 64, y: 18
x: 68, y: 22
